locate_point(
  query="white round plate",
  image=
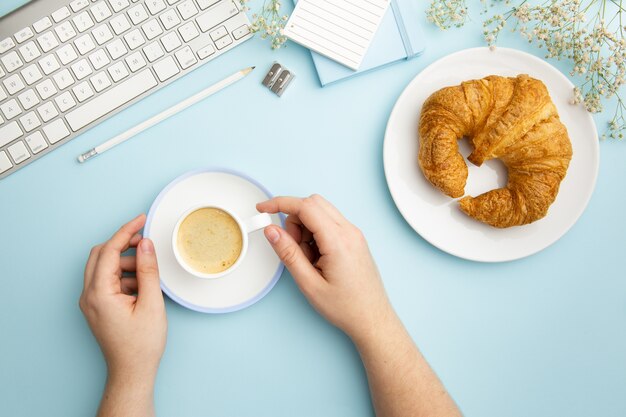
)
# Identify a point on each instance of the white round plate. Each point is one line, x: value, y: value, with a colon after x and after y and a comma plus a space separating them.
x: 435, y: 216
x: 260, y: 269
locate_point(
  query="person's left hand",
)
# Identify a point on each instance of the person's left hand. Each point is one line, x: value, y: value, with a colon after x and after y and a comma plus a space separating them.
x: 126, y: 314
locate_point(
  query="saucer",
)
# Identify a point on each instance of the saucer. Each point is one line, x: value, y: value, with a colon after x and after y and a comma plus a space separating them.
x: 260, y: 269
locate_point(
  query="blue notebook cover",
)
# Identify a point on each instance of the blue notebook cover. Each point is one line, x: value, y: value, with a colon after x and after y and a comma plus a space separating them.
x: 399, y: 37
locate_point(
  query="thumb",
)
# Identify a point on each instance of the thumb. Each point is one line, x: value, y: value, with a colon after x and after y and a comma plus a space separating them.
x: 149, y: 288
x: 290, y: 253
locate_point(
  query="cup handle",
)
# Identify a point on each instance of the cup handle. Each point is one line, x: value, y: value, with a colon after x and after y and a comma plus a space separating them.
x: 257, y: 222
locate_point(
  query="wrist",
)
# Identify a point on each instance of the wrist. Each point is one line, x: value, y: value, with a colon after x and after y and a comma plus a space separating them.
x: 374, y: 329
x: 132, y: 379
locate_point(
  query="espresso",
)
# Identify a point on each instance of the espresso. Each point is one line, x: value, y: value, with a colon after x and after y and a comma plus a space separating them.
x: 209, y: 240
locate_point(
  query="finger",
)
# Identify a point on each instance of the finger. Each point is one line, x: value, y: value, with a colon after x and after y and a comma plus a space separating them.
x: 293, y: 226
x: 290, y: 253
x: 128, y: 285
x: 91, y: 265
x: 119, y: 242
x: 308, y: 210
x: 134, y: 241
x: 149, y: 286
x: 332, y: 211
x: 128, y: 263
x: 308, y: 252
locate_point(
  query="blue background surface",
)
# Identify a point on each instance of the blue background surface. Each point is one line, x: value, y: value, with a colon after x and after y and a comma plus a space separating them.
x: 542, y: 336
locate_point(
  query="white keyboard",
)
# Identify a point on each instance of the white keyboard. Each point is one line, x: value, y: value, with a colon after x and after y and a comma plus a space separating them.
x: 65, y: 66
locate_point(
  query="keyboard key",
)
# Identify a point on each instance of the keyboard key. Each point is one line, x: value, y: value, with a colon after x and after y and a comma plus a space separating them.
x: 120, y: 24
x: 47, y: 41
x: 170, y: 2
x: 49, y: 64
x: 46, y: 89
x: 36, y: 142
x: 9, y: 133
x: 56, y: 131
x: 65, y: 31
x: 166, y: 68
x: 187, y: 9
x: 30, y: 121
x: 83, y: 21
x: 42, y: 24
x: 6, y: 44
x: 10, y: 109
x: 170, y: 41
x: 62, y: 13
x: 101, y: 11
x: 206, y: 51
x: 153, y: 51
x: 78, y: 5
x: 2, y: 74
x: 3, y: 95
x: 5, y: 163
x: 84, y: 44
x: 47, y: 111
x: 63, y: 79
x: 138, y: 14
x: 216, y: 15
x: 119, y: 5
x: 99, y: 59
x: 188, y: 31
x: 12, y: 61
x: 14, y: 84
x: 205, y: 4
x: 135, y: 61
x: 18, y: 152
x: 116, y: 49
x: 152, y: 29
x: 111, y: 99
x: 82, y: 91
x: 220, y: 32
x: 169, y: 19
x: 81, y: 69
x: 155, y: 6
x: 185, y: 57
x: 65, y: 101
x: 241, y: 31
x: 102, y: 34
x: 100, y: 81
x: 134, y: 39
x: 29, y: 51
x: 67, y: 54
x: 23, y: 35
x: 118, y: 71
x: 223, y: 42
x: 31, y: 74
x: 28, y: 99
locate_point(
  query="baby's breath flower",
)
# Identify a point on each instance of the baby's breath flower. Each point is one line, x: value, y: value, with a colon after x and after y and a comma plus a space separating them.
x: 269, y: 22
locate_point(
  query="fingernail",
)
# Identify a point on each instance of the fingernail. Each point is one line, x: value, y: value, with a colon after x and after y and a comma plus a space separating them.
x: 272, y: 235
x: 146, y: 246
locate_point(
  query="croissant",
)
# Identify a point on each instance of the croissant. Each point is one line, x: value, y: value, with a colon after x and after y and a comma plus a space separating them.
x: 512, y: 119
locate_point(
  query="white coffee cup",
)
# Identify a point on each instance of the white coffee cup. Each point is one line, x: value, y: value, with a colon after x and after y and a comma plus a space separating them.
x: 245, y: 227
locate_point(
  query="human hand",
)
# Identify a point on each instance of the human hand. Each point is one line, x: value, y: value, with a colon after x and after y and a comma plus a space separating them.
x: 330, y: 262
x: 131, y: 329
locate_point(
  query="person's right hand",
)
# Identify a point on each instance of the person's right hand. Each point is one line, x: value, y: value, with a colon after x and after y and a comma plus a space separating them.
x: 330, y: 262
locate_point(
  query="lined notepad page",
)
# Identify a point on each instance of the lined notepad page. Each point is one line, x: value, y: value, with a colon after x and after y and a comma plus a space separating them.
x: 339, y: 29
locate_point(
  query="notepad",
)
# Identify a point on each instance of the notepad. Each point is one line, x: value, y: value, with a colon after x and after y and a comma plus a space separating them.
x: 342, y: 30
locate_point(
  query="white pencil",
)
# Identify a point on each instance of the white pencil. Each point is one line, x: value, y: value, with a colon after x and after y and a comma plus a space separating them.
x: 164, y: 115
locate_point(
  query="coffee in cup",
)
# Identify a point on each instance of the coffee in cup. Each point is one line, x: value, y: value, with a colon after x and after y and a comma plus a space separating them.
x: 211, y: 241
